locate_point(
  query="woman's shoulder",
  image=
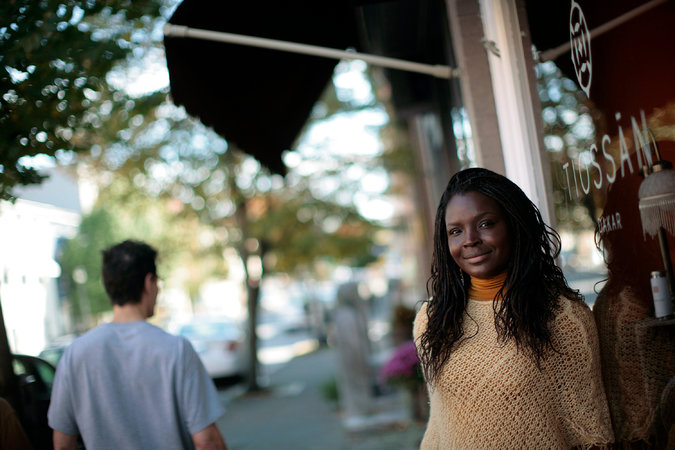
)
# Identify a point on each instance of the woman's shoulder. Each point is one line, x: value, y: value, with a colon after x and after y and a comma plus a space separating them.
x: 574, y: 306
x: 421, y: 318
x: 422, y: 307
x: 573, y: 318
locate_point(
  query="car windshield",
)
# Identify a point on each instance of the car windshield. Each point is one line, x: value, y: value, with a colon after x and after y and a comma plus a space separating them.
x: 207, y: 329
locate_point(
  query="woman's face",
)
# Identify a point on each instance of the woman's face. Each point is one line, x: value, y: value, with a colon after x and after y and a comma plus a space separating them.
x: 478, y: 234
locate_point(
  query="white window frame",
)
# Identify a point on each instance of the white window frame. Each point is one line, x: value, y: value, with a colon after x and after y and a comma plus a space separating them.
x: 521, y: 144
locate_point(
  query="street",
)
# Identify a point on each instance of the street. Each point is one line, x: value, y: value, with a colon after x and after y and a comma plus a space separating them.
x: 291, y: 412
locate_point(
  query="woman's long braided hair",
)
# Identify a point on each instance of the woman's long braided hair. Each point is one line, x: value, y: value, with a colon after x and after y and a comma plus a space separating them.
x: 534, y: 282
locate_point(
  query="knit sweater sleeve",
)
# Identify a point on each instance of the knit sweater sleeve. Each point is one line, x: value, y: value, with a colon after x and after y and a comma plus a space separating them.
x: 575, y: 369
x: 432, y: 435
x: 420, y: 324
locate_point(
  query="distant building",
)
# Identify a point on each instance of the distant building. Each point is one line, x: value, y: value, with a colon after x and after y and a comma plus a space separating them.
x: 31, y: 231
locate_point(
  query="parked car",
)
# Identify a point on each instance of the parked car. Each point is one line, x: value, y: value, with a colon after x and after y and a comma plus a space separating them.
x: 36, y: 378
x: 220, y: 344
x: 52, y: 354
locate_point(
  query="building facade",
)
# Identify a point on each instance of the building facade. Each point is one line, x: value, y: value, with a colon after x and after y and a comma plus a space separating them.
x: 575, y: 102
x: 31, y: 231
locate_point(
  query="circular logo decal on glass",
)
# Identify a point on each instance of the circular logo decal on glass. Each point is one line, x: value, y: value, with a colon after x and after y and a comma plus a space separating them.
x: 580, y: 42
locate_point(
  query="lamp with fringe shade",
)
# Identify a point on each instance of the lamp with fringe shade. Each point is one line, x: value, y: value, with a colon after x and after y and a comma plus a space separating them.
x: 657, y: 209
x: 657, y: 199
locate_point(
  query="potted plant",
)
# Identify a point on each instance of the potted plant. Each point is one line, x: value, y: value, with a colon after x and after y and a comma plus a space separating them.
x: 403, y: 369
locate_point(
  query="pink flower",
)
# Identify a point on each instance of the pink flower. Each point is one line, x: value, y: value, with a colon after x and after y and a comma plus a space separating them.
x: 403, y: 366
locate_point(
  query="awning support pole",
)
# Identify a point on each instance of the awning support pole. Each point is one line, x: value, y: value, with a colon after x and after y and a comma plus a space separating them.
x: 551, y: 54
x: 438, y: 71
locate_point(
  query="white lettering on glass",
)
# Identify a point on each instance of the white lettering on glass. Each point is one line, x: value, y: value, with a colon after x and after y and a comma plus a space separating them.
x: 580, y: 43
x: 606, y: 141
x: 567, y: 175
x: 597, y: 183
x: 623, y: 152
x: 642, y: 140
x: 610, y: 222
x: 644, y: 156
x: 586, y: 187
x: 574, y: 176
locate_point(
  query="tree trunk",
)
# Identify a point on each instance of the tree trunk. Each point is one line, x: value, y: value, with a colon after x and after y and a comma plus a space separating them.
x: 253, y: 292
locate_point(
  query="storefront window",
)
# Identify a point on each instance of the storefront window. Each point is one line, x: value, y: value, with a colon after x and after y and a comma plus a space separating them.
x: 463, y: 137
x: 569, y: 134
x: 606, y: 84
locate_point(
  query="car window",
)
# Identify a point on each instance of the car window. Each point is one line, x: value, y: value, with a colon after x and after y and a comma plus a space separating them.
x: 34, y: 369
x: 46, y: 372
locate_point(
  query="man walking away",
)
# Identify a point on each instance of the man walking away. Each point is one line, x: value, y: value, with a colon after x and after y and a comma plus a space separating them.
x: 128, y: 384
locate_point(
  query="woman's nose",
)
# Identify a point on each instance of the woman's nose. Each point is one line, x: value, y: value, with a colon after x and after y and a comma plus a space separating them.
x: 471, y: 237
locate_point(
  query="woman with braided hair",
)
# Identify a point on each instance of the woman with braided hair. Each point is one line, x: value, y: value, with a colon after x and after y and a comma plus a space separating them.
x: 509, y: 350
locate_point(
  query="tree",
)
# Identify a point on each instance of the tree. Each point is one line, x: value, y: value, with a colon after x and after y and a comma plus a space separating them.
x: 273, y: 225
x: 57, y: 100
x: 276, y: 223
x: 124, y: 212
x: 54, y: 57
x: 288, y: 229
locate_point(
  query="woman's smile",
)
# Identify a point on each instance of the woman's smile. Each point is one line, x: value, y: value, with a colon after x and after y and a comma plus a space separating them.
x: 476, y: 259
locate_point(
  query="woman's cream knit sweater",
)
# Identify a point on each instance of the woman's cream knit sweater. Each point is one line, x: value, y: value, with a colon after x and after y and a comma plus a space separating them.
x: 489, y: 395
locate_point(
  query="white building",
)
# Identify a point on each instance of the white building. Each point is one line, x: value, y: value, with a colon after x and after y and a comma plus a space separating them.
x: 31, y: 230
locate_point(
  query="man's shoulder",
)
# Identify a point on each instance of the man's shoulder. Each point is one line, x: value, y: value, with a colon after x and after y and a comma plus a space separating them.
x: 93, y: 335
x: 137, y: 334
x: 154, y: 334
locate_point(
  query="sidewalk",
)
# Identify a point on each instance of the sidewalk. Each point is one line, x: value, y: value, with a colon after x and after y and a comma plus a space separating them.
x: 292, y: 413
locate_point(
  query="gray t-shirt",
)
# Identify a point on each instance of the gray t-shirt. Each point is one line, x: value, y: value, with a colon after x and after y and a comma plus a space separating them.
x: 132, y: 385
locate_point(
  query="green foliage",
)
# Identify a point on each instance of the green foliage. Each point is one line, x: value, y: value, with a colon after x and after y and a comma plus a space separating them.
x: 293, y: 228
x: 299, y: 229
x: 329, y: 390
x: 54, y: 97
x: 56, y: 100
x: 123, y: 212
x: 163, y: 177
x: 81, y: 263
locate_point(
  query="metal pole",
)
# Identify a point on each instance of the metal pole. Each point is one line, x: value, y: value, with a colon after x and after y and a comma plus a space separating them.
x: 182, y: 31
x: 551, y: 54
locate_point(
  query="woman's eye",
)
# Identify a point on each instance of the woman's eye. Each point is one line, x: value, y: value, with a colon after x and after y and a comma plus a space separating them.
x: 453, y: 232
x: 485, y: 224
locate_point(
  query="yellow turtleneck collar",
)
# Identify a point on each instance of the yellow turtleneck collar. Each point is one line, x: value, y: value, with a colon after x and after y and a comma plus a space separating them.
x: 486, y: 290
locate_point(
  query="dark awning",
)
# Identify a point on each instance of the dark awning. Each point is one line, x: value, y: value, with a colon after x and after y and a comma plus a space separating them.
x: 260, y: 99
x: 257, y: 99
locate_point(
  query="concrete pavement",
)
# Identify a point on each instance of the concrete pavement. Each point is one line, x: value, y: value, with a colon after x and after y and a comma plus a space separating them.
x: 292, y: 413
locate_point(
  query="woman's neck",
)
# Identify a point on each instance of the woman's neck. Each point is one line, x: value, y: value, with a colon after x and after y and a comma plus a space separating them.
x: 486, y: 289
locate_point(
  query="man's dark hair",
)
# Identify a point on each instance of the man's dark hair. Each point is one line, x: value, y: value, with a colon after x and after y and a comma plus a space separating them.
x: 125, y: 266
